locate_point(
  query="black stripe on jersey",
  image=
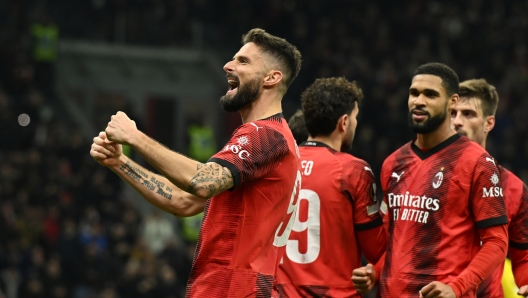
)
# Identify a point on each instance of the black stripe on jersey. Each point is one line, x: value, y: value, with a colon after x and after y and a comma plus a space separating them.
x: 264, y: 285
x: 517, y: 245
x: 231, y: 167
x: 314, y: 144
x: 278, y: 115
x: 369, y: 225
x: 490, y: 222
x: 425, y: 154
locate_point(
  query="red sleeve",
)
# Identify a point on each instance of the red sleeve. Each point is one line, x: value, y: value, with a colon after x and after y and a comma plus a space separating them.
x: 252, y: 152
x: 373, y: 243
x: 518, y: 231
x: 519, y: 260
x: 358, y: 182
x: 379, y: 266
x: 490, y: 256
x: 486, y: 197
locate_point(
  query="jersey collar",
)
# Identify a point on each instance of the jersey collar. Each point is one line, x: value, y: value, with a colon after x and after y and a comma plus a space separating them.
x: 314, y: 144
x: 425, y: 154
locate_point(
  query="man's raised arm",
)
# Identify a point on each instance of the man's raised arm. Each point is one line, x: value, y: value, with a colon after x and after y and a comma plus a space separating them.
x: 202, y: 180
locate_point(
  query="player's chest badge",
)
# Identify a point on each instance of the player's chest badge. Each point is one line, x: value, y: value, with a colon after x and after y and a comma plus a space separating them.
x: 438, y: 178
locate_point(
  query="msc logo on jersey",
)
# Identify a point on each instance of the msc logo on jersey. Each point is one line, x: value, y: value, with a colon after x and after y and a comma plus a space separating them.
x: 494, y: 191
x: 438, y: 178
x: 237, y: 149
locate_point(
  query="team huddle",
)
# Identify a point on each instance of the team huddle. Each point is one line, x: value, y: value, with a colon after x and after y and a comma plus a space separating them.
x: 289, y: 213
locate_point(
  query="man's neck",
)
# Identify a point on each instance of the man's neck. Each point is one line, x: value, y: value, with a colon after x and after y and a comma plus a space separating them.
x: 331, y: 141
x: 432, y: 139
x: 265, y: 106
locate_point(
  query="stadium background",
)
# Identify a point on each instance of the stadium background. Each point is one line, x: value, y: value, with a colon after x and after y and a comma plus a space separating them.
x: 69, y: 228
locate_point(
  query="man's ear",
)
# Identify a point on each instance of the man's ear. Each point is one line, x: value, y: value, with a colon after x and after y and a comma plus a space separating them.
x: 342, y: 123
x: 490, y: 123
x: 273, y: 78
x: 453, y: 101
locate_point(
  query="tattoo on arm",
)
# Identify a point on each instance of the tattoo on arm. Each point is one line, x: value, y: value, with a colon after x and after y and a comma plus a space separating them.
x: 153, y: 184
x: 212, y: 177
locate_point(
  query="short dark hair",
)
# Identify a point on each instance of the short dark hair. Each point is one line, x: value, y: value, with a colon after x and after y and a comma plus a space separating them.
x: 444, y: 72
x: 286, y: 54
x: 480, y: 89
x: 325, y: 101
x: 298, y: 127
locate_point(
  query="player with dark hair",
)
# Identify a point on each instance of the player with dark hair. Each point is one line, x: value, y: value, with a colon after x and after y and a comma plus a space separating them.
x: 338, y: 215
x: 446, y: 219
x: 298, y: 127
x: 474, y: 117
x: 248, y: 191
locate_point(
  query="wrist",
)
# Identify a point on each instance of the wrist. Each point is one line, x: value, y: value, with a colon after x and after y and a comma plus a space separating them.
x: 455, y: 288
x: 135, y: 138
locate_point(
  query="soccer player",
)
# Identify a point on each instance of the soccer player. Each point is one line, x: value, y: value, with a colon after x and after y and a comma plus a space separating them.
x: 298, y: 127
x: 248, y: 191
x: 443, y: 194
x: 474, y: 117
x: 338, y: 214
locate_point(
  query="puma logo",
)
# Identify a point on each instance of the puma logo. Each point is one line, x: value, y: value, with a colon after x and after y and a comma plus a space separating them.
x: 256, y: 125
x: 394, y: 175
x: 491, y: 160
x: 368, y: 169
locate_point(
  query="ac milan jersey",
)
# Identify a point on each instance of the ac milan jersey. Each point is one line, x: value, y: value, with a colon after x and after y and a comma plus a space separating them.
x: 437, y: 200
x: 516, y: 198
x: 245, y: 229
x: 336, y: 202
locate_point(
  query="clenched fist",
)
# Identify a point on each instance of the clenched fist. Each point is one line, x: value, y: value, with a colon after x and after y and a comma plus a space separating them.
x: 121, y: 129
x: 105, y: 152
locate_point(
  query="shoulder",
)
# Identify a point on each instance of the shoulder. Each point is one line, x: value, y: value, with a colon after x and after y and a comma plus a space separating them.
x: 404, y: 152
x: 353, y: 166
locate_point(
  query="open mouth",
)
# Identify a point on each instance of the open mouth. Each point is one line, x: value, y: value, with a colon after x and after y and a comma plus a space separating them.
x: 233, y: 85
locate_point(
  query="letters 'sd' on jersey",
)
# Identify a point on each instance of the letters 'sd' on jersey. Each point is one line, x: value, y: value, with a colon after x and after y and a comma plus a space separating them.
x: 245, y: 229
x: 437, y: 199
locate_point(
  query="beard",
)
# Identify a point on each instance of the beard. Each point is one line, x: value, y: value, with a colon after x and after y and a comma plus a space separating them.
x: 430, y: 125
x: 346, y: 145
x: 245, y: 95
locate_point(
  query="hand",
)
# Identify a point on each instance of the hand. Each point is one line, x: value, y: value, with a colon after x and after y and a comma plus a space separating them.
x: 364, y: 279
x: 121, y: 129
x: 437, y: 289
x: 105, y: 152
x: 523, y: 291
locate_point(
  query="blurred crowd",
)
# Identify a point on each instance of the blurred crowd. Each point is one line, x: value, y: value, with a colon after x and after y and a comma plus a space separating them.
x: 67, y: 228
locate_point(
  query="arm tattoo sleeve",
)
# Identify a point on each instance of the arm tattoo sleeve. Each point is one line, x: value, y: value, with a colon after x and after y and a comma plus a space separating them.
x: 212, y: 177
x: 151, y: 183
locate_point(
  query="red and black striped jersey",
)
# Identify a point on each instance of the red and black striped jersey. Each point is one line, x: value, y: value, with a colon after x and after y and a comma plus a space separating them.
x: 437, y: 199
x: 337, y: 220
x: 245, y: 229
x: 516, y: 198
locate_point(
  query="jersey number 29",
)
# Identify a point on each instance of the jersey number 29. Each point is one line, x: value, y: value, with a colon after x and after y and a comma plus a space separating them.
x: 311, y: 223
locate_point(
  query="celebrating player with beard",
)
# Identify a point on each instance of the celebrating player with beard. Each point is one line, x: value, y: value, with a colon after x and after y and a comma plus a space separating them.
x: 446, y: 217
x: 248, y: 191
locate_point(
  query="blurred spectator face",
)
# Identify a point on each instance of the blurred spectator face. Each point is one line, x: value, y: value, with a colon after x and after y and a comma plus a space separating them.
x: 468, y: 119
x: 245, y: 75
x: 427, y: 103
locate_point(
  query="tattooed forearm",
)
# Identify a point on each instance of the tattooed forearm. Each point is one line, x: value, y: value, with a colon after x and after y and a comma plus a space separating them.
x: 153, y: 184
x: 136, y: 170
x: 211, y: 177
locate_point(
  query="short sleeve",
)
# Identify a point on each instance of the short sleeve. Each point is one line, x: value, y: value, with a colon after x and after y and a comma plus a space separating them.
x: 252, y: 152
x: 359, y: 183
x: 486, y: 196
x: 518, y: 231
